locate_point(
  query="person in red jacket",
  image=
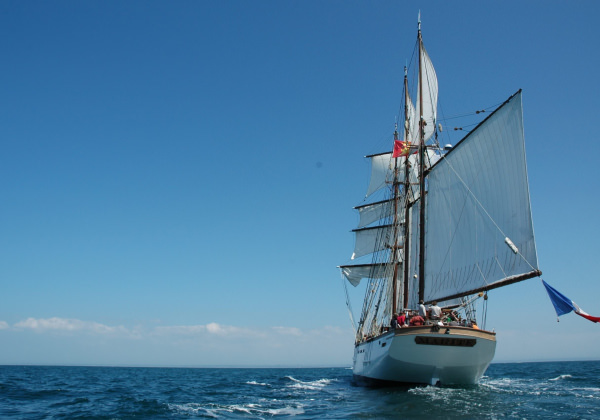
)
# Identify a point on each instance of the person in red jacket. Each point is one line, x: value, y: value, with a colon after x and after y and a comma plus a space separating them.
x: 417, y: 320
x: 402, y: 320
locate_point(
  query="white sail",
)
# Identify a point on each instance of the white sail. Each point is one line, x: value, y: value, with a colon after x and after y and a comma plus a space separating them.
x: 429, y: 86
x: 355, y: 273
x: 413, y: 271
x: 478, y: 196
x: 412, y: 122
x: 373, y: 239
x: 371, y: 213
x: 382, y: 169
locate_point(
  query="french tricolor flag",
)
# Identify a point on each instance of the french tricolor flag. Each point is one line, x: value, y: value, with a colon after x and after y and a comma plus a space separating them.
x: 564, y: 305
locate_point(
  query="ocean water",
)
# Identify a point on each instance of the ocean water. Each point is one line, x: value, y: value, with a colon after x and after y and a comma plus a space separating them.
x: 558, y: 390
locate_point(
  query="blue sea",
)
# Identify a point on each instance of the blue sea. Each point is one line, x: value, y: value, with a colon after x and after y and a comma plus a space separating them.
x: 558, y: 390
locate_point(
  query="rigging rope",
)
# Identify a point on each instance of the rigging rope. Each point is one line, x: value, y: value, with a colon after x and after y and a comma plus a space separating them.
x: 348, y: 304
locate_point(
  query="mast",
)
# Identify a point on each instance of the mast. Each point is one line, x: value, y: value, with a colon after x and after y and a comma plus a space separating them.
x: 421, y: 172
x: 396, y: 224
x: 406, y: 189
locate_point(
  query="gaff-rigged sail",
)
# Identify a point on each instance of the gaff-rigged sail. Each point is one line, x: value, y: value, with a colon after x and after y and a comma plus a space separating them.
x: 477, y: 203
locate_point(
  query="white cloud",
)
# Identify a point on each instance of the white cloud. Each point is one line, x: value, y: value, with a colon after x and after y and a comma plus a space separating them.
x: 212, y: 328
x: 288, y: 331
x: 180, y: 330
x: 3, y: 325
x: 223, y: 330
x: 70, y: 325
x: 86, y: 342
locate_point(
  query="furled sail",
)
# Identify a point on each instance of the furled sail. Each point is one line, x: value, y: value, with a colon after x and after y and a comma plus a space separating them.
x: 477, y: 206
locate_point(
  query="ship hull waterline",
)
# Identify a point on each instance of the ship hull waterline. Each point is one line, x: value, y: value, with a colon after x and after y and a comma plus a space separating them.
x: 429, y: 355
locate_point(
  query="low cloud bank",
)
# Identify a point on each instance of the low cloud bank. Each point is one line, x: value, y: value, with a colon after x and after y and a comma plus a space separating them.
x: 74, y: 326
x: 78, y: 342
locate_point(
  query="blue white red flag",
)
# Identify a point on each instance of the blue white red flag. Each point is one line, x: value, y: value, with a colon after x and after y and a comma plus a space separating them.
x: 564, y: 305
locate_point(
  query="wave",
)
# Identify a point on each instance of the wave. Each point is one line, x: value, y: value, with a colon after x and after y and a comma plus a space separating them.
x: 439, y: 393
x: 309, y: 385
x: 561, y: 377
x: 217, y: 411
x: 286, y: 411
x: 256, y: 383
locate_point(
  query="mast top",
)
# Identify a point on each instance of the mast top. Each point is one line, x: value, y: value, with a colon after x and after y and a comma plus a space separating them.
x: 419, y: 21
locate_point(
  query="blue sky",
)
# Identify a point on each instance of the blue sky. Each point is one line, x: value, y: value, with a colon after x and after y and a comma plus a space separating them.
x: 177, y: 178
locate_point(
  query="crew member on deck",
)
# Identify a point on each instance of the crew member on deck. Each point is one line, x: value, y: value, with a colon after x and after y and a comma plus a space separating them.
x: 435, y: 312
x: 417, y: 320
x: 401, y: 320
x: 422, y: 310
x: 394, y: 322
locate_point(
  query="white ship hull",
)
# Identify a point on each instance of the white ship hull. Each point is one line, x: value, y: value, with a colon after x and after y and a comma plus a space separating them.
x: 421, y: 355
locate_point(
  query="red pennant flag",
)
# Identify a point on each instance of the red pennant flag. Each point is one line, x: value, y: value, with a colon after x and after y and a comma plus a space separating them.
x: 401, y: 148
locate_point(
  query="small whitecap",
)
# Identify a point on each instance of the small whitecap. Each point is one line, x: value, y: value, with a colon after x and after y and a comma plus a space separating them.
x: 286, y: 411
x: 193, y: 409
x: 309, y: 385
x: 241, y: 408
x: 256, y: 383
x: 560, y: 377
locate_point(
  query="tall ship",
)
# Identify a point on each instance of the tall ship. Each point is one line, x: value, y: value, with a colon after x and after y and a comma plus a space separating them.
x: 438, y: 229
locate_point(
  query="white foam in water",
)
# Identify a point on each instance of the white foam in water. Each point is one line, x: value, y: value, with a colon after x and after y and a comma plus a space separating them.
x: 215, y: 411
x: 507, y: 385
x: 287, y: 411
x: 433, y: 392
x: 589, y: 389
x: 193, y: 408
x: 256, y: 383
x: 558, y: 378
x: 241, y: 408
x: 310, y: 385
